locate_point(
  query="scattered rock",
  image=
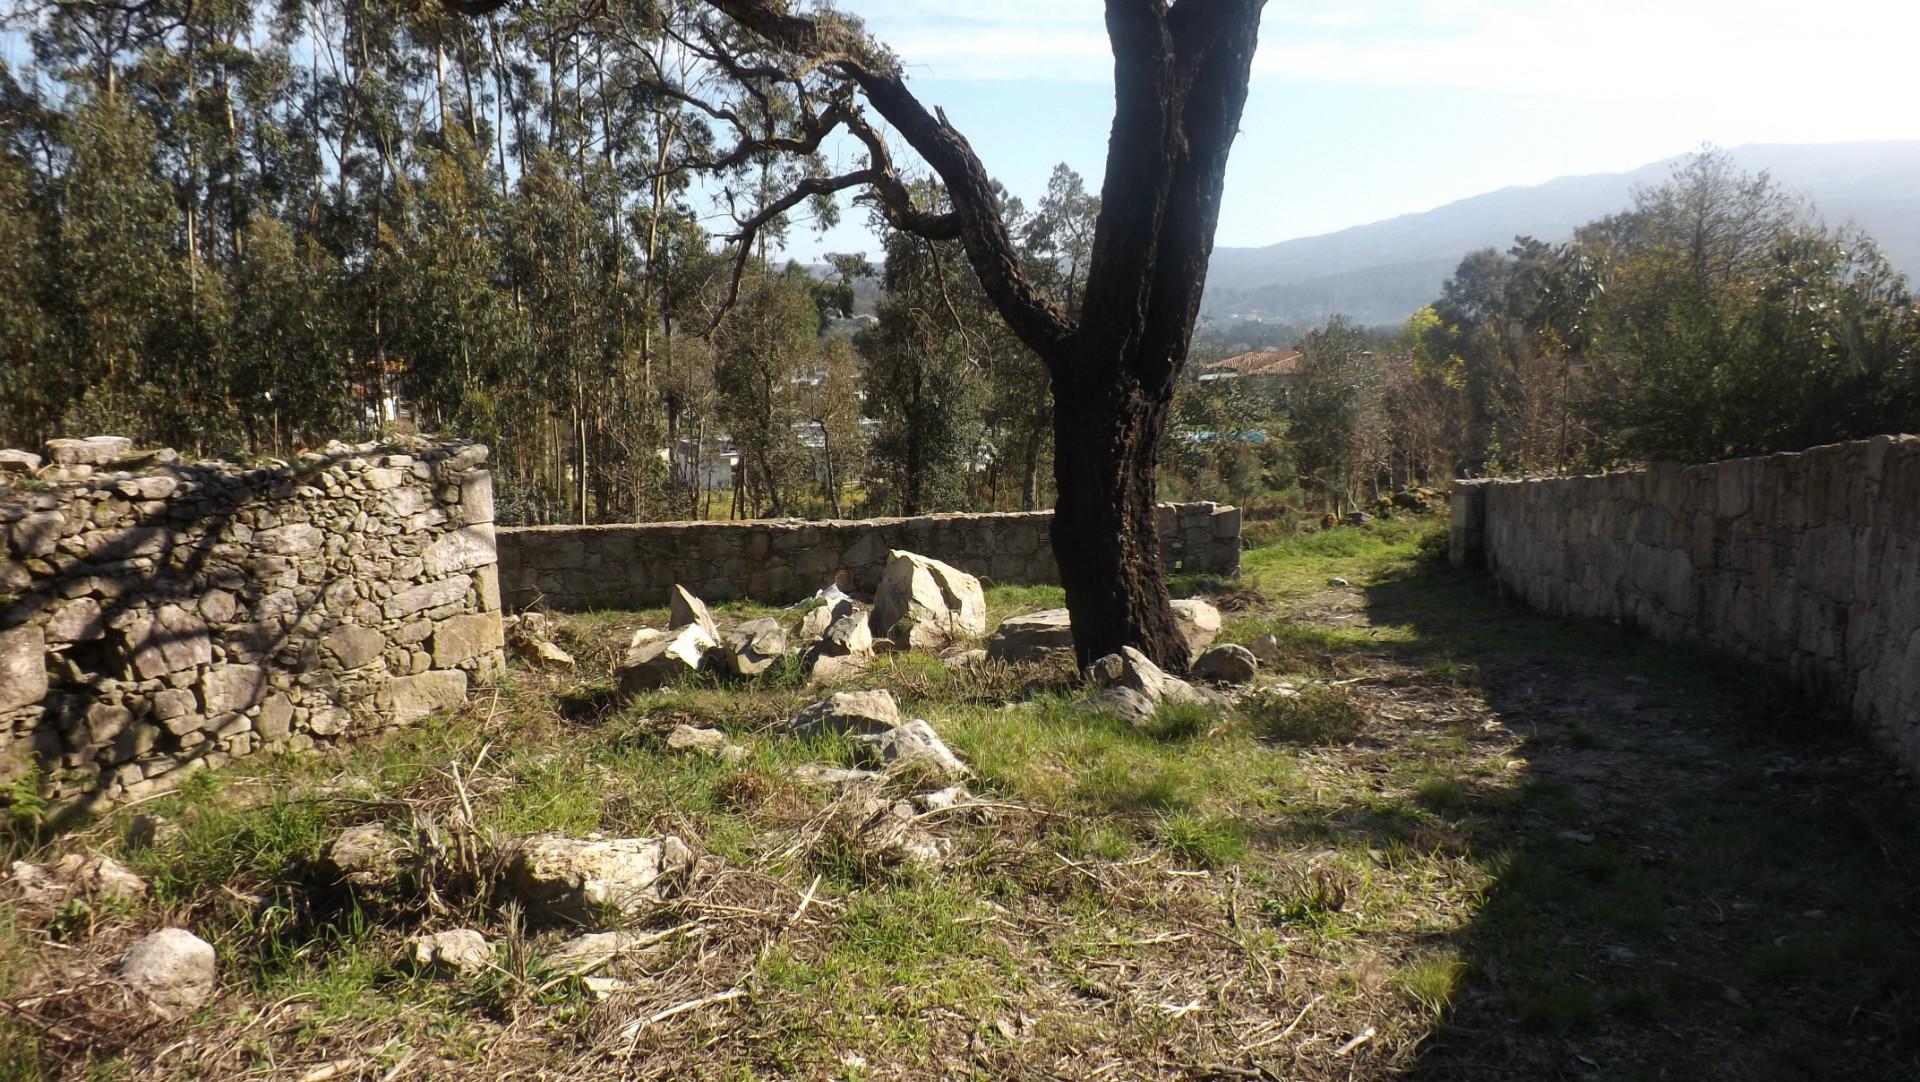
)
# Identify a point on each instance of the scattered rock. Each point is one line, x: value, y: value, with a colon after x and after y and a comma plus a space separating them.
x: 815, y: 621
x: 1338, y: 581
x: 462, y: 952
x: 664, y: 660
x: 1199, y: 621
x: 942, y: 799
x: 925, y: 603
x: 858, y: 712
x: 752, y: 648
x: 1033, y: 635
x: 561, y: 878
x: 1266, y: 650
x: 601, y: 989
x: 585, y: 953
x: 969, y: 659
x: 849, y: 636
x: 644, y: 635
x: 173, y: 968
x: 916, y: 744
x: 831, y: 777
x: 1358, y: 518
x: 1227, y: 664
x: 75, y: 875
x: 369, y: 858
x: 1124, y: 703
x: 711, y: 742
x: 684, y: 609
x: 12, y: 461
x: 1131, y: 669
x: 529, y: 636
x: 836, y: 669
x: 889, y: 832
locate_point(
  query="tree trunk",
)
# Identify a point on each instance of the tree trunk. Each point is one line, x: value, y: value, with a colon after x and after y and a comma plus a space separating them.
x: 1180, y: 82
x: 1104, y: 535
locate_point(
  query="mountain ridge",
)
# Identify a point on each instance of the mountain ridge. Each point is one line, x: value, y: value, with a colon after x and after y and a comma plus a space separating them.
x: 1379, y: 272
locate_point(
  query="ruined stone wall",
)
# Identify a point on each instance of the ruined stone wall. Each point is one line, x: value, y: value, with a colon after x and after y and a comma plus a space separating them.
x: 609, y: 567
x: 1809, y: 562
x: 157, y: 616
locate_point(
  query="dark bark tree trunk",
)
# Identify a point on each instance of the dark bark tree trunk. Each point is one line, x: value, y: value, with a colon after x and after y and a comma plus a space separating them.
x: 1180, y: 81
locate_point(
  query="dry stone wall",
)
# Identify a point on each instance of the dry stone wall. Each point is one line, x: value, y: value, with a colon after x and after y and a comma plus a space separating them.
x: 1809, y: 562
x: 157, y: 617
x: 609, y: 567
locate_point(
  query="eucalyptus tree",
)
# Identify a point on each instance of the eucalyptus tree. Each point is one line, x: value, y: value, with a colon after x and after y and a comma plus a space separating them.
x: 1180, y: 79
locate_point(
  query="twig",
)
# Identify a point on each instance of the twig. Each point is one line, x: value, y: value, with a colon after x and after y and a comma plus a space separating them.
x: 633, y: 1029
x: 1354, y: 1042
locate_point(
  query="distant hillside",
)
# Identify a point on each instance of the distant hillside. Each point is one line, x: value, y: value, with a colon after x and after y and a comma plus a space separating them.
x: 1379, y: 273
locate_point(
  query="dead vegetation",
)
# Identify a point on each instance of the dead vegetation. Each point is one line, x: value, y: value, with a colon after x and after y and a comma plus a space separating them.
x: 1446, y: 840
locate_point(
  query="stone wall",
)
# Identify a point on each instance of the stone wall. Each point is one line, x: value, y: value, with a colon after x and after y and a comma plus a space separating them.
x: 157, y: 616
x: 611, y: 567
x: 1808, y: 562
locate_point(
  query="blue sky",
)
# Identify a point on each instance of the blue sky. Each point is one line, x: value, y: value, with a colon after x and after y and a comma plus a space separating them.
x: 1364, y: 110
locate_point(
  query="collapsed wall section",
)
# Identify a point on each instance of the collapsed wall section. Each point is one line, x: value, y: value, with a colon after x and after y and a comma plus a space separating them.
x: 1807, y: 562
x: 610, y: 567
x: 157, y: 617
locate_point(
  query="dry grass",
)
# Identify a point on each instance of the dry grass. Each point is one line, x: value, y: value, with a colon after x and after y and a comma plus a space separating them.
x: 1475, y: 845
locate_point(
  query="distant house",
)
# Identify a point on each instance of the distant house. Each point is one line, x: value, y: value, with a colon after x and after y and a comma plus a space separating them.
x: 1282, y: 365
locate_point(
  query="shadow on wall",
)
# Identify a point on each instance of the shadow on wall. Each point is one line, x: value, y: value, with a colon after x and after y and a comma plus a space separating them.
x: 157, y: 622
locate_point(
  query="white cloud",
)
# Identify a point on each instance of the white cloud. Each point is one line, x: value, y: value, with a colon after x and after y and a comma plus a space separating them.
x: 1770, y: 53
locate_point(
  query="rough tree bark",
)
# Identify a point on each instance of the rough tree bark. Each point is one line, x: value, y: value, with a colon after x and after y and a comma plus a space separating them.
x: 1181, y: 70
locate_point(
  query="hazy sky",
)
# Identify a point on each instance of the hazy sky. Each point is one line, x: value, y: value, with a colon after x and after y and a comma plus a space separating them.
x: 1367, y: 109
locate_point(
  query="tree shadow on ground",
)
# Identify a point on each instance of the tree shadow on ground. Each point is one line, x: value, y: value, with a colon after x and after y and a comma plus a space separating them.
x: 1697, y: 873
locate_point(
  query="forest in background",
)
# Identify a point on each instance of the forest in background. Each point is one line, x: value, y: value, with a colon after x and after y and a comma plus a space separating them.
x: 246, y: 227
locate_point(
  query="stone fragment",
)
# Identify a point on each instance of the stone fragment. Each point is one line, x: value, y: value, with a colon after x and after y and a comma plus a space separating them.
x: 860, y: 712
x: 276, y: 718
x: 644, y: 635
x: 173, y: 968
x: 293, y: 539
x: 542, y: 652
x: 1132, y: 670
x: 1227, y: 664
x: 916, y: 744
x: 711, y: 742
x: 76, y: 875
x: 462, y: 952
x: 1124, y: 703
x: 683, y: 608
x: 354, y: 645
x: 461, y: 638
x: 12, y: 461
x: 662, y: 661
x: 1030, y: 636
x: 1199, y: 622
x: 752, y: 648
x: 967, y: 659
x: 89, y: 451
x: 849, y: 636
x: 952, y: 796
x: 925, y: 603
x: 830, y: 669
x: 368, y: 858
x: 585, y: 953
x: 560, y: 878
x: 1265, y: 649
x: 410, y: 698
x: 831, y: 777
x: 815, y: 621
x: 23, y: 667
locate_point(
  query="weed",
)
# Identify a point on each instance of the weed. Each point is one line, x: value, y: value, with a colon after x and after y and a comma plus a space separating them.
x: 1203, y: 840
x: 1432, y: 981
x: 1312, y: 715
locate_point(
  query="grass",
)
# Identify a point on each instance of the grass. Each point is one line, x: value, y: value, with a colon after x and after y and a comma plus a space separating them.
x: 1504, y: 846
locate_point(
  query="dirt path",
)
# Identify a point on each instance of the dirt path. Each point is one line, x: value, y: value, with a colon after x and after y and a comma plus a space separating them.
x: 1695, y: 873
